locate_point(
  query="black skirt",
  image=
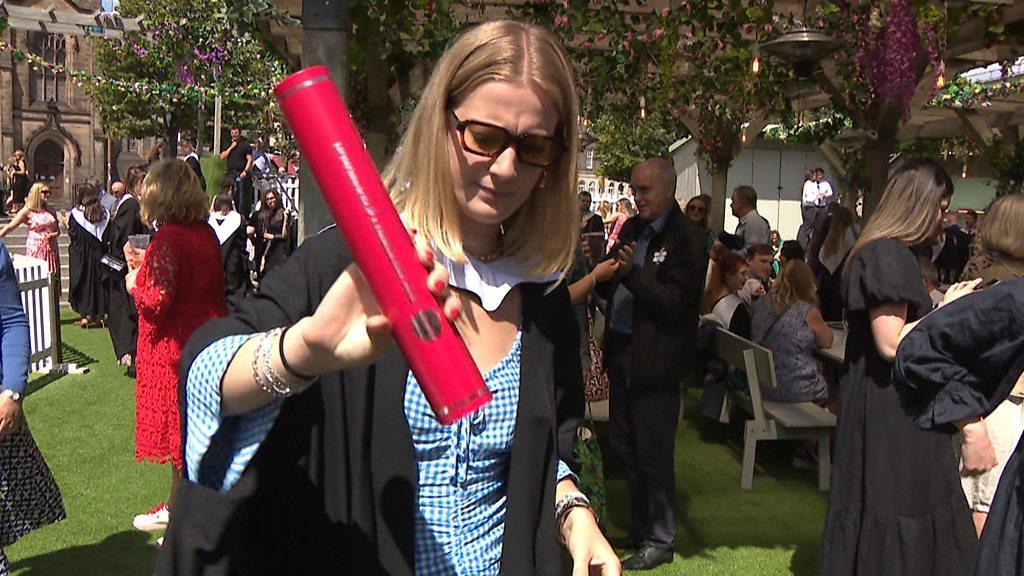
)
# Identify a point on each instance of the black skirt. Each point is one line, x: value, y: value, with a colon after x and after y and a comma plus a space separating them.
x: 29, y: 497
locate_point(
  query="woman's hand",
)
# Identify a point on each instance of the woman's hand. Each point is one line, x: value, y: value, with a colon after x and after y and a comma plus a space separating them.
x: 133, y: 256
x: 959, y: 290
x: 10, y: 415
x: 605, y: 270
x: 268, y: 236
x: 977, y: 452
x: 348, y: 329
x: 590, y: 551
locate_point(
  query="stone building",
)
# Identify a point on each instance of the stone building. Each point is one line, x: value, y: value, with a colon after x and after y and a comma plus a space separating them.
x: 43, y: 112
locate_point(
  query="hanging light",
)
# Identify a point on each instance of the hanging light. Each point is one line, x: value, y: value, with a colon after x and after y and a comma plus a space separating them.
x: 743, y: 137
x: 940, y: 80
x: 963, y: 174
x: 755, y: 66
x: 643, y: 107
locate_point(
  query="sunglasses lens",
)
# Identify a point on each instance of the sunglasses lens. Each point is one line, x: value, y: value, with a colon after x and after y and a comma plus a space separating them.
x: 539, y: 151
x: 486, y: 140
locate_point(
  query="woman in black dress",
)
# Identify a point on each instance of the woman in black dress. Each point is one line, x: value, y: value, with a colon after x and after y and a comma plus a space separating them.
x: 896, y: 507
x: 271, y: 233
x: 85, y: 224
x: 122, y: 316
x: 18, y: 173
x: 230, y: 227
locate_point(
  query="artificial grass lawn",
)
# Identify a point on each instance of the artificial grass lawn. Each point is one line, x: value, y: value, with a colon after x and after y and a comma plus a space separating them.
x: 85, y: 427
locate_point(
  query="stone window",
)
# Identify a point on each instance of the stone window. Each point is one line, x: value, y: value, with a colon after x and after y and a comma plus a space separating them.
x: 49, y: 84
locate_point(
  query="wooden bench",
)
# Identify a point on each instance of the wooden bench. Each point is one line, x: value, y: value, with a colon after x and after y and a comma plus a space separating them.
x: 771, y: 420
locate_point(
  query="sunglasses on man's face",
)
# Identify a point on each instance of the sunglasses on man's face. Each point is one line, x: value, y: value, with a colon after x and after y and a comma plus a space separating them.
x: 489, y: 140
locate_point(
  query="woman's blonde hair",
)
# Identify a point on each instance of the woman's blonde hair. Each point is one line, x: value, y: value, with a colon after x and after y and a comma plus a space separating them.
x: 794, y: 284
x: 36, y: 200
x: 909, y: 206
x: 419, y: 176
x: 840, y: 221
x: 1002, y: 229
x: 171, y: 194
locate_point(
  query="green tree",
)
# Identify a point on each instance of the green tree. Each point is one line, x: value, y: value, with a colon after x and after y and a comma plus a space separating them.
x: 155, y: 82
x: 624, y: 143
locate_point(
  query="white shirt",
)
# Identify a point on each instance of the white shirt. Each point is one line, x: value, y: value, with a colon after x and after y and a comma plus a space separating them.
x: 824, y: 192
x: 492, y: 281
x: 754, y: 229
x: 810, y: 193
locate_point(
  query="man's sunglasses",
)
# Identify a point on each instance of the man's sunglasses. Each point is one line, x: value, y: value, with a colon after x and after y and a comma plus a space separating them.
x: 489, y: 140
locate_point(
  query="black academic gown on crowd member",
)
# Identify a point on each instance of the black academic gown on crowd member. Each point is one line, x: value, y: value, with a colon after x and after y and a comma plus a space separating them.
x: 332, y: 489
x: 122, y: 318
x: 270, y: 253
x: 896, y: 506
x: 232, y: 256
x: 667, y: 300
x: 959, y: 363
x: 86, y: 295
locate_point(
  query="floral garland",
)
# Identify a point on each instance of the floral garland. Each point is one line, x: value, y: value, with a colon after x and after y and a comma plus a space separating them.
x: 184, y: 92
x: 965, y: 93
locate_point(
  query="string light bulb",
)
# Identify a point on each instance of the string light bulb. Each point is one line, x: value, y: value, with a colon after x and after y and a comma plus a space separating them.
x: 643, y: 108
x: 755, y: 66
x: 743, y: 137
x: 963, y: 174
x: 940, y: 80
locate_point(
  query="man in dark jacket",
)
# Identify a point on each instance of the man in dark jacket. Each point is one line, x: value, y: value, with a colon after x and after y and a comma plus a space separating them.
x: 651, y: 330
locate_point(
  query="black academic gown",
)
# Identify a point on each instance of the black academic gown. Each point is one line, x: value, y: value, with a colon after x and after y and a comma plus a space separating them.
x: 230, y: 232
x: 86, y: 294
x: 959, y: 363
x: 123, y: 319
x: 332, y: 489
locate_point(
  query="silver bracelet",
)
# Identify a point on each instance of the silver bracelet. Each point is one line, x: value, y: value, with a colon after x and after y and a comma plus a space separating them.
x: 567, y: 503
x: 267, y: 378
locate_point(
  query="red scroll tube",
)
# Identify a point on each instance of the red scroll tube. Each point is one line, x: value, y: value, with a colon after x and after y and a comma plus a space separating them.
x: 380, y: 244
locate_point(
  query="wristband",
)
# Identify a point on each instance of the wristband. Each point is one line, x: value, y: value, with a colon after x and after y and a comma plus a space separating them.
x: 564, y: 505
x: 284, y: 361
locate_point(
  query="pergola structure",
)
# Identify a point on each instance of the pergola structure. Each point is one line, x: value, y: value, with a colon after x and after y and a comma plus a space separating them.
x: 322, y: 39
x: 108, y: 24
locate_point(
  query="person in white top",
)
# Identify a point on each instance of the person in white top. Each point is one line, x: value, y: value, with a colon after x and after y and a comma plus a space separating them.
x: 816, y: 194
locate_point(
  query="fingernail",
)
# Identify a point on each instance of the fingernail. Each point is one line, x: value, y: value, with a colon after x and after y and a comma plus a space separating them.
x: 438, y: 286
x: 453, y: 312
x: 430, y: 256
x: 413, y: 231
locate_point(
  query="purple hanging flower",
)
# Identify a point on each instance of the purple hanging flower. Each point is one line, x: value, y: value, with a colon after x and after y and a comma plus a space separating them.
x: 139, y: 50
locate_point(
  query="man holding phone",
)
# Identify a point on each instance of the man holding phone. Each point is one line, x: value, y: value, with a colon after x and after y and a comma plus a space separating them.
x: 654, y: 301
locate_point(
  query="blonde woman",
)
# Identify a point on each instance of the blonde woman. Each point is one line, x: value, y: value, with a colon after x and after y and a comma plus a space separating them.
x: 341, y: 467
x: 177, y: 284
x: 789, y: 324
x: 896, y: 506
x: 17, y: 172
x: 43, y: 229
x: 623, y: 211
x: 1000, y: 258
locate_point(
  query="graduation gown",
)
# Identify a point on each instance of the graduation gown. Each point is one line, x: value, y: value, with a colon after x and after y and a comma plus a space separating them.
x: 959, y: 363
x: 230, y: 230
x: 86, y: 295
x: 123, y: 319
x: 332, y: 488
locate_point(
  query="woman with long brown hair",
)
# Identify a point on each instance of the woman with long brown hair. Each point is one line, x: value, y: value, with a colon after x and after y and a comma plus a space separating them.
x: 86, y: 223
x: 839, y: 240
x: 896, y: 507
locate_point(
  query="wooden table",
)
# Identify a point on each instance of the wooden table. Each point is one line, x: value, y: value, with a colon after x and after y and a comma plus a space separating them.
x: 837, y: 353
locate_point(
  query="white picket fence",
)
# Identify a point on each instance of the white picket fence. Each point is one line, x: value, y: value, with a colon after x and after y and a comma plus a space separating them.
x: 37, y: 298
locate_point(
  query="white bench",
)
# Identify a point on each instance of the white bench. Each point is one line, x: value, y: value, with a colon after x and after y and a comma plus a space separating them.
x: 771, y: 420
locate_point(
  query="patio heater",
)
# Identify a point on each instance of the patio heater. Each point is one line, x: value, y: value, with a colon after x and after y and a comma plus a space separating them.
x: 803, y: 48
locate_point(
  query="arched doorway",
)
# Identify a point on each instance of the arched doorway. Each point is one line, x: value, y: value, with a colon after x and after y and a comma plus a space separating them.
x: 48, y: 166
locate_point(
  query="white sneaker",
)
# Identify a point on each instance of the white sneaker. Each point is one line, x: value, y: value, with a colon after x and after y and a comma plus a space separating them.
x: 154, y: 520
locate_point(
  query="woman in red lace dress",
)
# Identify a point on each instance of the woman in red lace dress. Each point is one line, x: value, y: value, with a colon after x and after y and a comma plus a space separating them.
x: 177, y: 285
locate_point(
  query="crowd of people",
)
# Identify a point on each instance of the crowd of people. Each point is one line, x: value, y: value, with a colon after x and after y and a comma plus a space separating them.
x: 299, y: 440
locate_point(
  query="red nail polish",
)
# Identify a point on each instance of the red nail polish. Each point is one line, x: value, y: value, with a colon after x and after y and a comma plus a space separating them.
x: 430, y: 256
x: 438, y: 286
x: 453, y: 313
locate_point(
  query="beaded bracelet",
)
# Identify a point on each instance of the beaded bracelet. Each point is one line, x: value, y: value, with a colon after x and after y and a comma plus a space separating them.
x: 263, y: 372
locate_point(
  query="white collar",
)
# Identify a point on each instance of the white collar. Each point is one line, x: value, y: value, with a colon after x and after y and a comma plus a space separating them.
x: 231, y: 222
x: 190, y: 155
x: 96, y: 229
x: 491, y: 282
x: 746, y: 217
x: 122, y: 200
